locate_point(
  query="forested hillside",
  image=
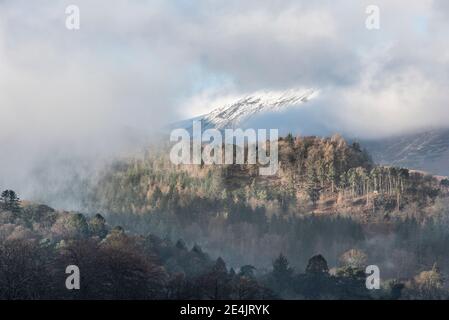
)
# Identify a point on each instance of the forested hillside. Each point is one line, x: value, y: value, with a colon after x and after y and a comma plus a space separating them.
x: 328, y: 197
x: 319, y: 175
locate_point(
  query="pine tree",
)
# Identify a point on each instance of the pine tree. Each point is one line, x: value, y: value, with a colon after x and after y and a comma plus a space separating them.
x: 282, y: 272
x: 317, y: 265
x: 313, y: 189
x: 290, y: 139
x: 10, y: 201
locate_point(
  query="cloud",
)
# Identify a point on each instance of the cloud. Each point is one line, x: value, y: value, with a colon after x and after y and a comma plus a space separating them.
x: 77, y: 96
x: 374, y: 83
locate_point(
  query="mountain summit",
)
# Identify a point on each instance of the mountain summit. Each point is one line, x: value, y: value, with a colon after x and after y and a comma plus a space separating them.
x: 240, y: 113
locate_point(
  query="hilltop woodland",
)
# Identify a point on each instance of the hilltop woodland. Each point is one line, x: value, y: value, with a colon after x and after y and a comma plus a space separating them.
x: 160, y: 231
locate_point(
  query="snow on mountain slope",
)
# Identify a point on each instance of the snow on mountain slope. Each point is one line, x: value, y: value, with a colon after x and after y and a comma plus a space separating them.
x: 240, y: 112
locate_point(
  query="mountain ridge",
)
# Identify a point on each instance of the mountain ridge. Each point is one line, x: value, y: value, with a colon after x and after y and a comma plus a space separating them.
x: 239, y: 113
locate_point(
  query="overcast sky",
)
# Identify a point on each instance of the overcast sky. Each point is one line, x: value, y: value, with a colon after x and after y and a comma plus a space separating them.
x: 134, y: 65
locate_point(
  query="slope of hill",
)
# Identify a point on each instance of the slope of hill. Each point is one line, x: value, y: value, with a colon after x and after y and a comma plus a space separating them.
x: 427, y: 151
x: 316, y: 175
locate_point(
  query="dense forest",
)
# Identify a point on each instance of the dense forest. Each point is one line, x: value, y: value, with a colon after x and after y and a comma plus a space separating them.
x: 154, y: 230
x: 37, y: 243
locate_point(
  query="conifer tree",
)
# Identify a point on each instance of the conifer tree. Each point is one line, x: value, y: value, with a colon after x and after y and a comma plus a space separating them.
x: 10, y: 201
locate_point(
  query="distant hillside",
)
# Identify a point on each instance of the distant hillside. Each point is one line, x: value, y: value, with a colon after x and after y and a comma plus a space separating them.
x: 427, y: 151
x: 321, y: 175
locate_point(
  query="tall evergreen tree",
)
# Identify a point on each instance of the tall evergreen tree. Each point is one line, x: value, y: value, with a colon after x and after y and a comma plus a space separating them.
x: 10, y: 201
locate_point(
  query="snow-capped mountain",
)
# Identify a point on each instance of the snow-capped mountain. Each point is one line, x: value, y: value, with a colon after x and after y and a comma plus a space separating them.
x: 288, y: 111
x: 242, y: 112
